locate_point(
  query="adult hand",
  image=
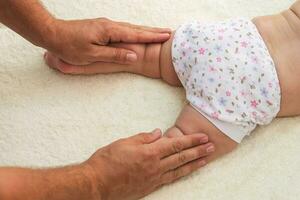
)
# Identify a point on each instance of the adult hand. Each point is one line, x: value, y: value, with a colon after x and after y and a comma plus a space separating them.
x: 126, y: 169
x: 77, y: 42
x: 81, y: 42
x: 134, y: 167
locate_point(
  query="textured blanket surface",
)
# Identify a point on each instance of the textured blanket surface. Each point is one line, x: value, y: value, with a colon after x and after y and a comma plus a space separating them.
x: 49, y: 119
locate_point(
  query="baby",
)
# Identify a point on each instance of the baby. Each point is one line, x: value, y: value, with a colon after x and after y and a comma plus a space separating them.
x: 237, y: 74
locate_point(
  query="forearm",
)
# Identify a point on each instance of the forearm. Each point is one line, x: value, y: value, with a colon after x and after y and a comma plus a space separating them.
x: 29, y: 19
x: 68, y: 183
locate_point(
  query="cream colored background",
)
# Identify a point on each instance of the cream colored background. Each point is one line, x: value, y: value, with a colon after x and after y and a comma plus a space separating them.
x: 48, y: 119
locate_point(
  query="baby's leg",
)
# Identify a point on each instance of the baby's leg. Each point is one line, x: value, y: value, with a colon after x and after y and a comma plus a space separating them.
x: 154, y: 61
x: 191, y: 121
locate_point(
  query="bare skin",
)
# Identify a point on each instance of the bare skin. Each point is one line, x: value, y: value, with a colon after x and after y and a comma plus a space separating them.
x: 69, y: 40
x: 129, y: 168
x: 150, y: 160
x: 281, y: 32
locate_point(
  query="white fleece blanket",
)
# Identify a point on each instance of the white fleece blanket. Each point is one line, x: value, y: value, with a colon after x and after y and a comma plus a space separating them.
x: 49, y: 119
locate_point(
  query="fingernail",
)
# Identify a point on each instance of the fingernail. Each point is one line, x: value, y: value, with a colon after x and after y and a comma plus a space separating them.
x: 156, y: 131
x: 210, y: 149
x: 204, y: 139
x: 166, y: 34
x: 132, y: 57
x: 202, y: 162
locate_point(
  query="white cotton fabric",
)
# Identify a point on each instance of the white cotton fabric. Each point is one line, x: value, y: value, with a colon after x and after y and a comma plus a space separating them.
x: 228, y: 74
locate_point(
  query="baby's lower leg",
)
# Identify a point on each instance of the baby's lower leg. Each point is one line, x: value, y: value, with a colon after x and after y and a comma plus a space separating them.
x: 155, y: 61
x: 167, y: 70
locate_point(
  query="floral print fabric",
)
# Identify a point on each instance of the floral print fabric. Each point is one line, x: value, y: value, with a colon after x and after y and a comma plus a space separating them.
x: 228, y: 74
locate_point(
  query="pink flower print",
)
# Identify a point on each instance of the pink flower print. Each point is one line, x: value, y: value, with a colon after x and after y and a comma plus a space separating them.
x: 215, y: 115
x: 219, y: 59
x: 254, y: 104
x: 270, y: 85
x: 228, y: 93
x: 212, y: 69
x: 244, y: 93
x: 244, y: 44
x: 201, y: 51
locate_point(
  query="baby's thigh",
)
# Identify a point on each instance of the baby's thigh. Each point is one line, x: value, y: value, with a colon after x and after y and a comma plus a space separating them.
x: 191, y: 121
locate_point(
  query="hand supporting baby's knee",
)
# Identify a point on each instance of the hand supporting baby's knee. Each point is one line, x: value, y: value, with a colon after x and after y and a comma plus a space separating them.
x: 191, y: 121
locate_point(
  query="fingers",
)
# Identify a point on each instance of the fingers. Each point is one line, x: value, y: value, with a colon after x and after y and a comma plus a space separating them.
x: 182, y: 171
x: 173, y: 132
x: 147, y: 138
x: 186, y: 156
x: 94, y: 68
x: 121, y: 33
x: 114, y: 55
x: 56, y: 63
x: 146, y: 28
x: 170, y: 146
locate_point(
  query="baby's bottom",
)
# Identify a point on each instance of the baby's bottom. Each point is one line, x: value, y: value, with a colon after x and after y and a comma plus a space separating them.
x: 155, y: 61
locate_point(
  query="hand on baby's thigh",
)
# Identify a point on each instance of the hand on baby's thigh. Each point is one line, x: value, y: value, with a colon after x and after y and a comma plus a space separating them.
x: 191, y: 121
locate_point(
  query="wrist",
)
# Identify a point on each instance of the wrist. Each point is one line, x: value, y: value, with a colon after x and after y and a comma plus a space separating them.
x: 99, y: 189
x: 48, y: 33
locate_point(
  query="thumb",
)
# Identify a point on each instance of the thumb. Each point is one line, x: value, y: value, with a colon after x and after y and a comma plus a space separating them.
x: 147, y: 138
x: 115, y: 55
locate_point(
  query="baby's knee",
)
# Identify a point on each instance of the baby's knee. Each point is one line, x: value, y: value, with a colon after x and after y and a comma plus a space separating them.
x: 173, y: 132
x: 191, y: 121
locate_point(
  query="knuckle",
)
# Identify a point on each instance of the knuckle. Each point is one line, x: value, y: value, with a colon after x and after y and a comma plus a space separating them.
x: 167, y: 178
x: 177, y: 146
x: 119, y: 55
x: 139, y: 35
x: 152, y: 171
x: 104, y: 23
x: 176, y: 174
x: 182, y: 158
x: 153, y: 155
x: 144, y: 137
x: 201, y: 152
x: 162, y: 150
x: 104, y: 19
